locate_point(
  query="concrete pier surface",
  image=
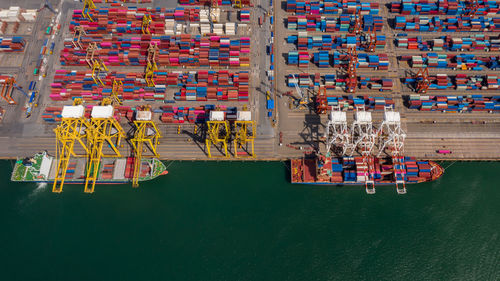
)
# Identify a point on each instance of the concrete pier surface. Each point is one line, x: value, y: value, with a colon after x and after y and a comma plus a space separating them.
x: 288, y: 134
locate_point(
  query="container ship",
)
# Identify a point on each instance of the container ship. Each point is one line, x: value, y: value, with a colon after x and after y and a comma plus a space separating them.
x: 318, y: 169
x: 42, y: 168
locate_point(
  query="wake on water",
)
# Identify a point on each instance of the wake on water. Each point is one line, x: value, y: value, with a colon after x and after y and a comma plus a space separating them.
x: 40, y: 186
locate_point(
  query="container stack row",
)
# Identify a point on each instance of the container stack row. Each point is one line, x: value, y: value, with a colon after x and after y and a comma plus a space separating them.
x: 460, y: 82
x: 12, y: 44
x: 211, y: 86
x: 183, y: 50
x: 206, y: 85
x: 199, y: 114
x: 443, y: 7
x: 328, y: 7
x: 451, y: 61
x: 368, y: 103
x: 448, y: 24
x: 478, y: 42
x: 129, y: 19
x: 323, y: 59
x: 209, y: 2
x: 327, y: 42
x: 469, y: 103
x: 331, y: 82
x: 122, y: 1
x: 342, y: 23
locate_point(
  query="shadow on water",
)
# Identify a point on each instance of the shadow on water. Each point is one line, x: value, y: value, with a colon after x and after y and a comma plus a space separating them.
x: 287, y: 170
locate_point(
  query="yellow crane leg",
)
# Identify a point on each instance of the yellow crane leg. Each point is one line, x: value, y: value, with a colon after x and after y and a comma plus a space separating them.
x: 62, y: 166
x: 93, y: 168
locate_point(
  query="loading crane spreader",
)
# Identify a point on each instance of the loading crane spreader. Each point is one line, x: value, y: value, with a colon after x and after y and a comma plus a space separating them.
x: 146, y: 137
x: 245, y: 132
x: 103, y: 129
x: 73, y: 129
x: 218, y: 133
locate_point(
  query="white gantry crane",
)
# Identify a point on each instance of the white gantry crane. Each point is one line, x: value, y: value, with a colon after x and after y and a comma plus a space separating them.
x: 392, y: 137
x: 337, y: 133
x: 363, y: 137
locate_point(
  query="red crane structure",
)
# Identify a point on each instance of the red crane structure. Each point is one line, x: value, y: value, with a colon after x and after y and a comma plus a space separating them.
x: 358, y: 26
x: 321, y: 102
x: 352, y: 78
x: 472, y: 6
x: 423, y: 81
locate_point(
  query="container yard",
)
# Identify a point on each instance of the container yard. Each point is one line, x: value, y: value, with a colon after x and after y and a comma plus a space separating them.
x: 256, y: 80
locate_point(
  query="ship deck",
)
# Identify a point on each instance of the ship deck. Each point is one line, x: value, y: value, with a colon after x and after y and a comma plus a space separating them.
x: 44, y: 167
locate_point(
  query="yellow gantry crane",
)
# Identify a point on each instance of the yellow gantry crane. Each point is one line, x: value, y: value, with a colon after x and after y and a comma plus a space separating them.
x: 151, y: 66
x: 146, y: 138
x: 96, y: 64
x: 236, y: 4
x: 104, y: 130
x: 117, y: 88
x: 245, y: 131
x: 218, y: 132
x: 87, y: 6
x: 73, y: 129
x: 146, y: 22
x: 77, y: 34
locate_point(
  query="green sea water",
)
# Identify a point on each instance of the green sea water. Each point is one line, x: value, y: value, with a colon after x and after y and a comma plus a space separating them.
x: 245, y: 221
